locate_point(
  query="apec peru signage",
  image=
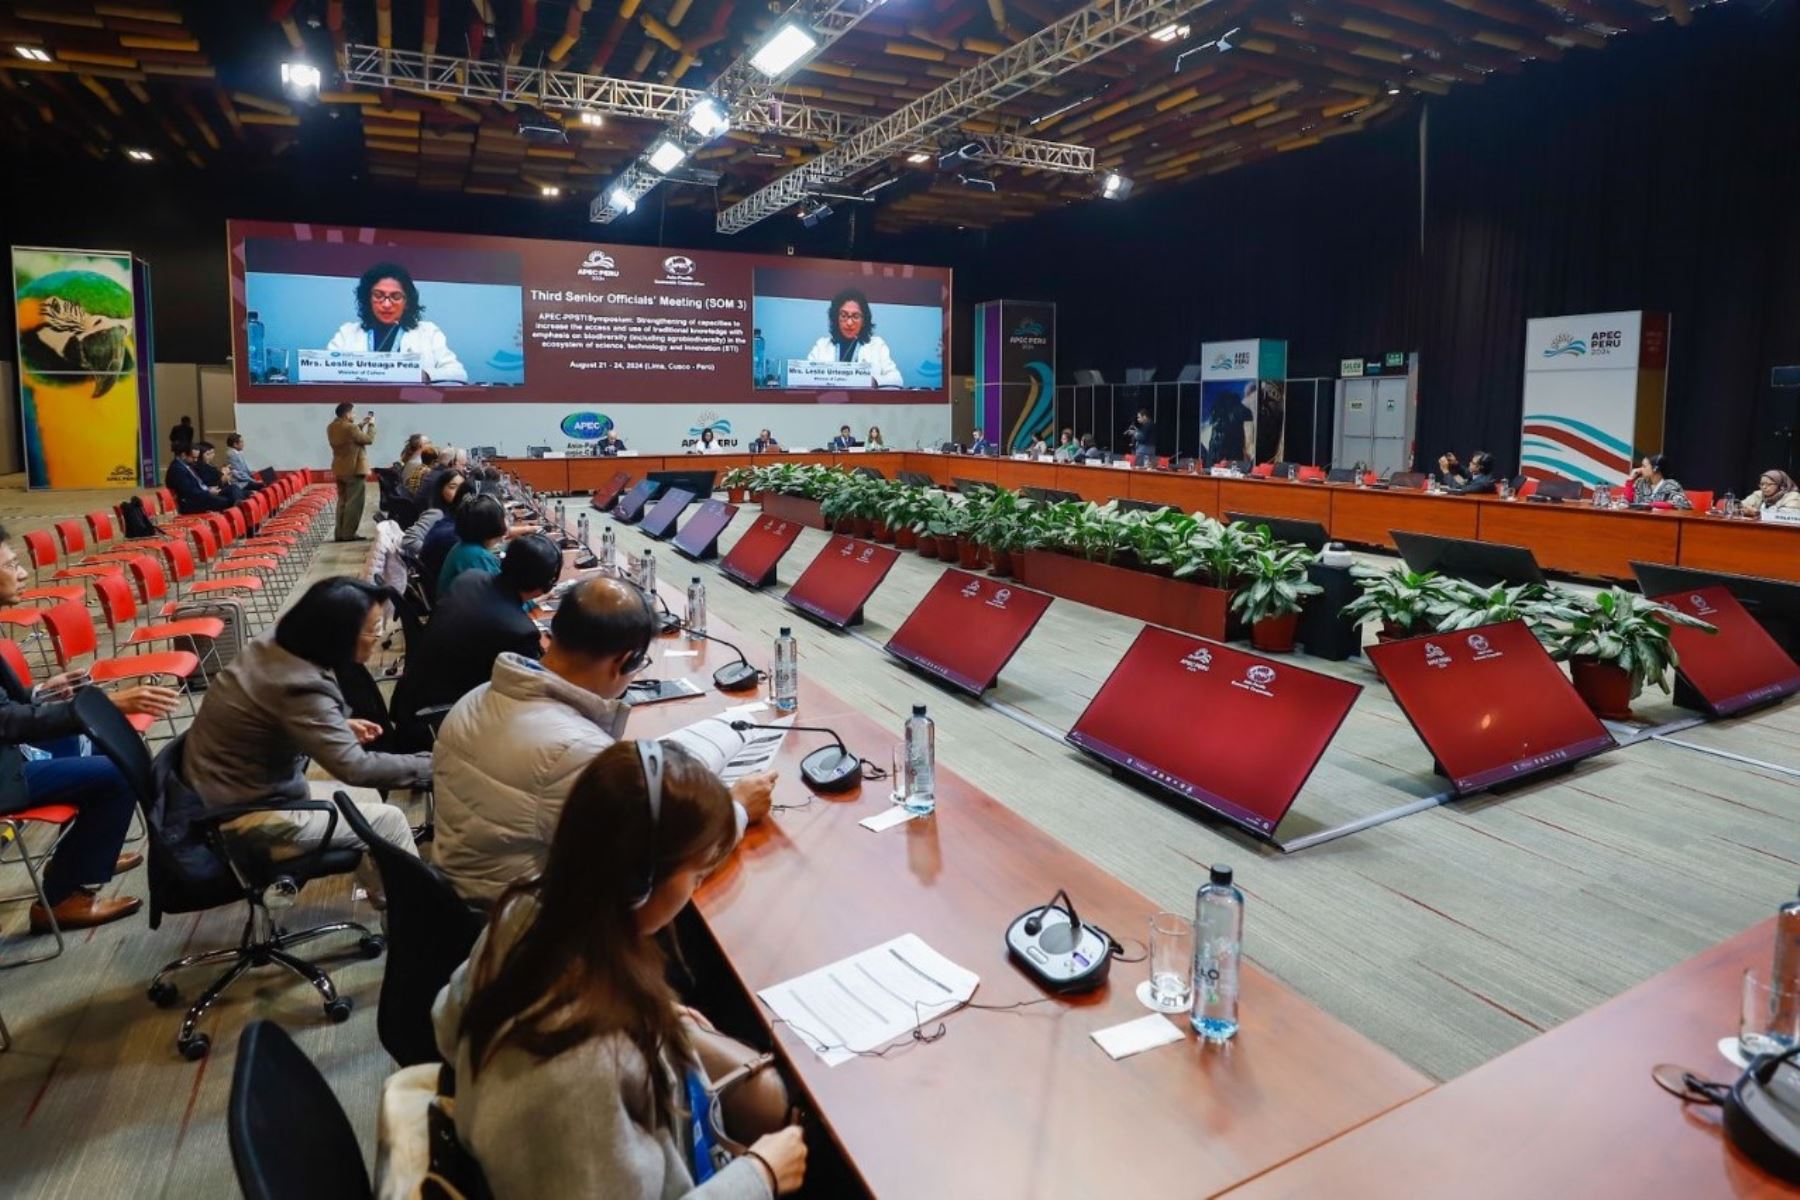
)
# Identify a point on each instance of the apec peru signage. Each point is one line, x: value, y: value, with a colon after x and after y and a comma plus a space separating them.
x: 1594, y: 342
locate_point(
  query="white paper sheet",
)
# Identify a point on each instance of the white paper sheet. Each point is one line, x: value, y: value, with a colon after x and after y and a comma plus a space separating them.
x: 729, y: 753
x: 1134, y: 1037
x: 863, y: 1002
x: 887, y: 818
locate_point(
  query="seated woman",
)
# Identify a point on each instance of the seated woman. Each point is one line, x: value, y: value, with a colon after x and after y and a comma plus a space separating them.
x: 443, y: 492
x: 1067, y: 450
x: 1651, y: 484
x: 873, y: 441
x: 277, y: 706
x: 577, y: 1071
x: 1775, y: 491
x: 480, y: 528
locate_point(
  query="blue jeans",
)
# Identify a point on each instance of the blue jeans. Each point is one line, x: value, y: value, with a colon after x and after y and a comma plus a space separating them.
x: 103, y: 803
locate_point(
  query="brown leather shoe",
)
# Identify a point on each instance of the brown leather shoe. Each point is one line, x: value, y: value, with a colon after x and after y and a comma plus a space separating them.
x: 131, y: 860
x: 84, y: 910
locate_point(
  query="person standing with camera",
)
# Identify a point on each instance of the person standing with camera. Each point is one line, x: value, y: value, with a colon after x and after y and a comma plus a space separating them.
x: 350, y: 441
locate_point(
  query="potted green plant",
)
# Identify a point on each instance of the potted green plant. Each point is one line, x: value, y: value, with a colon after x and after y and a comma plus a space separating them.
x: 902, y: 512
x: 1004, y: 523
x: 948, y: 526
x: 735, y: 482
x: 1616, y: 643
x: 1406, y: 602
x: 1462, y: 605
x: 935, y: 520
x: 1273, y: 591
x: 880, y: 492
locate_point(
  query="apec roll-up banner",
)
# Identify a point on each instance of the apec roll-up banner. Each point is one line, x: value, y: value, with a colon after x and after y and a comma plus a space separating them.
x: 81, y: 374
x: 1594, y: 389
x: 1015, y: 372
x: 1243, y: 399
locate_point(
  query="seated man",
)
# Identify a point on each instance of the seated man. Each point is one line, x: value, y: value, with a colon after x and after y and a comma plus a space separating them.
x: 89, y: 853
x: 764, y: 442
x: 845, y: 440
x: 479, y: 618
x: 239, y: 465
x: 510, y: 750
x: 978, y: 443
x: 610, y: 444
x: 1477, y: 480
x: 192, y: 495
x: 216, y: 479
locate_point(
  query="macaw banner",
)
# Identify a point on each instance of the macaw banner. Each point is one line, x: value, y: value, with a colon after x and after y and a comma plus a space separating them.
x: 83, y: 382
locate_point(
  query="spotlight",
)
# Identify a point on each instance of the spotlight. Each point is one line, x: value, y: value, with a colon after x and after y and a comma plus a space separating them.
x: 1393, y: 91
x: 34, y: 53
x: 665, y: 156
x: 1169, y: 33
x: 918, y: 156
x: 300, y: 79
x: 708, y: 118
x: 1116, y: 186
x: 978, y: 182
x: 621, y: 198
x: 140, y: 156
x: 592, y: 119
x: 550, y: 190
x: 786, y: 46
x: 811, y: 214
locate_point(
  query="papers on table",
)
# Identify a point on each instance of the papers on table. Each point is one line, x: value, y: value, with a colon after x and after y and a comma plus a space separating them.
x: 1134, y: 1037
x: 887, y: 818
x: 727, y: 752
x: 861, y: 1003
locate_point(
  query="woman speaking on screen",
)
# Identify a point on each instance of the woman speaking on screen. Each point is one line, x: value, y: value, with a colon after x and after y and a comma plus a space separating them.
x: 853, y: 339
x: 388, y: 321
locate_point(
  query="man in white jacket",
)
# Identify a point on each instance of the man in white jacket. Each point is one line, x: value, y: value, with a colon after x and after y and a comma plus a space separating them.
x: 509, y: 751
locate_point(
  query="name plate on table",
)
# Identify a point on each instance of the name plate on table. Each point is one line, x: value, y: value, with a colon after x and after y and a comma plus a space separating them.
x: 1781, y: 516
x: 803, y: 372
x: 358, y: 366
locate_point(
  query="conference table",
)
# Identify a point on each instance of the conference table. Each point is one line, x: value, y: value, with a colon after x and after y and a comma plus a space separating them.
x: 1572, y: 1112
x: 1574, y: 539
x: 1007, y: 1103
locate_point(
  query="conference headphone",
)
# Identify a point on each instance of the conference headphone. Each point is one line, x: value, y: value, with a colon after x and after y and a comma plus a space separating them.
x: 650, y: 758
x: 641, y: 659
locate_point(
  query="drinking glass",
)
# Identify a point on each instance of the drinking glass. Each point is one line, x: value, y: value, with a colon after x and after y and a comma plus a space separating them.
x: 1769, y: 1019
x: 1171, y: 962
x: 897, y: 773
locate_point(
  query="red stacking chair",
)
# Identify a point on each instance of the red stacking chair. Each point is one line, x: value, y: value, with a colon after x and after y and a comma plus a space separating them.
x: 61, y: 818
x: 1528, y: 488
x: 72, y: 635
x: 74, y: 539
x: 40, y: 551
x: 168, y: 499
x: 1312, y: 474
x: 1702, y: 501
x: 1262, y: 470
x: 100, y: 526
x: 121, y: 614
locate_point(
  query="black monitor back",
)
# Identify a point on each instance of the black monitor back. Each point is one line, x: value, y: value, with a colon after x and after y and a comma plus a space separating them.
x: 915, y: 479
x: 1558, y: 489
x: 1406, y: 480
x: 869, y: 473
x: 1310, y: 534
x: 971, y: 487
x: 1481, y: 563
x: 1774, y: 603
x: 700, y: 483
x: 1127, y: 505
x: 1044, y: 495
x: 1341, y: 475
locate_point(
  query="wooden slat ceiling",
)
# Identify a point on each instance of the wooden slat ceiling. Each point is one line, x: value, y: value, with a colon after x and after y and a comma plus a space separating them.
x: 198, y: 82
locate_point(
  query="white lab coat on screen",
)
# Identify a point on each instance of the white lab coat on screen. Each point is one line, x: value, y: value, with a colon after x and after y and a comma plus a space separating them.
x: 436, y: 359
x: 873, y: 352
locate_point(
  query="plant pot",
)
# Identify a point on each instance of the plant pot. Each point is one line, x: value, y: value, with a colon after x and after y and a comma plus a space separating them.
x: 754, y: 497
x: 1390, y: 632
x: 950, y: 549
x: 1177, y: 603
x: 906, y: 539
x: 880, y: 532
x: 734, y: 495
x: 861, y: 527
x: 928, y: 546
x: 971, y: 555
x: 1003, y: 562
x: 1606, y: 687
x: 1275, y: 635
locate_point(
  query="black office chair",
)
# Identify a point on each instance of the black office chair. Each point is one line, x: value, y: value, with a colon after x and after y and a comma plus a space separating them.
x: 290, y: 1139
x: 430, y: 933
x: 193, y: 867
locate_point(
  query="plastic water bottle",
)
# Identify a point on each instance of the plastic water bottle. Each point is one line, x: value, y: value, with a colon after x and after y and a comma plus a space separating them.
x: 1218, y: 939
x: 647, y: 573
x: 1431, y: 484
x: 581, y: 529
x: 1732, y: 508
x: 1785, y: 978
x: 1293, y: 473
x: 756, y: 356
x: 259, y: 358
x: 921, y: 762
x: 562, y: 524
x: 786, y: 681
x: 609, y: 549
x: 696, y: 609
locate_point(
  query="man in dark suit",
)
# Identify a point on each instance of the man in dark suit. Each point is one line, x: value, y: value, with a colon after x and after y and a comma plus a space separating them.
x: 477, y: 619
x: 845, y: 440
x: 191, y: 493
x: 978, y: 443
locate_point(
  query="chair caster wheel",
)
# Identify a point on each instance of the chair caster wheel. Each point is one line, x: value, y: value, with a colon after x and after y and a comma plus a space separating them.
x: 338, y: 1010
x: 194, y: 1048
x: 373, y: 945
x: 163, y: 994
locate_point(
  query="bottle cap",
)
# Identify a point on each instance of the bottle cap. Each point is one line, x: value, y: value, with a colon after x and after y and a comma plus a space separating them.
x: 1221, y: 874
x: 787, y: 631
x: 696, y: 579
x: 918, y: 710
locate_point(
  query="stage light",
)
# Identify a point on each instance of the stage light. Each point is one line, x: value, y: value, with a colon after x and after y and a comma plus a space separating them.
x: 978, y: 182
x: 708, y: 118
x: 918, y: 156
x: 621, y: 198
x: 34, y: 53
x: 811, y: 214
x: 550, y: 190
x: 300, y: 79
x: 786, y: 46
x: 1169, y: 33
x: 665, y: 156
x: 1116, y: 186
x: 592, y: 120
x: 140, y: 155
x: 1393, y: 91
x: 881, y: 182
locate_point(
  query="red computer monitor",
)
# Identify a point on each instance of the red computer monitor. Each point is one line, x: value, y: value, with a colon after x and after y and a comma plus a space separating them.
x: 699, y: 538
x: 605, y: 496
x: 967, y: 628
x: 752, y: 560
x: 1489, y: 703
x: 840, y: 578
x: 659, y: 522
x: 1231, y: 732
x: 1740, y: 666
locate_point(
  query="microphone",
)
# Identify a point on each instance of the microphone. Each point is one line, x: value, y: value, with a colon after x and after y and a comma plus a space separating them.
x: 827, y: 769
x: 1065, y: 935
x: 732, y: 677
